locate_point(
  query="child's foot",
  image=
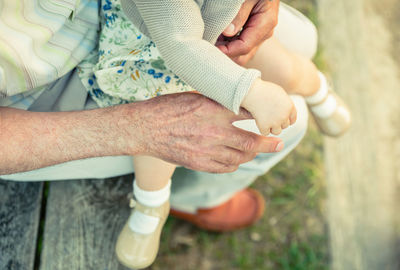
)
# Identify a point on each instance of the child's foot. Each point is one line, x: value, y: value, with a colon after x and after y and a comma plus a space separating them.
x: 331, y: 114
x: 137, y: 248
x: 138, y: 242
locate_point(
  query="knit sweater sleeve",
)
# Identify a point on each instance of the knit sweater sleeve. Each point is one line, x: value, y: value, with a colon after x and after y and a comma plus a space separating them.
x: 217, y: 15
x: 177, y: 29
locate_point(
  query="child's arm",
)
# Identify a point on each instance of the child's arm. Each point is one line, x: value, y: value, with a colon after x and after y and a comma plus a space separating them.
x: 177, y: 28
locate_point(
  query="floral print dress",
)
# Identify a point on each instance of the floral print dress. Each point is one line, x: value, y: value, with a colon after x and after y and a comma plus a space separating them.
x: 127, y: 66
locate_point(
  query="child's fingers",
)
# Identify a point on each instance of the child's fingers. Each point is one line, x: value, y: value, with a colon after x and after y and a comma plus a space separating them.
x: 264, y: 129
x: 276, y: 130
x: 286, y: 124
x: 293, y: 116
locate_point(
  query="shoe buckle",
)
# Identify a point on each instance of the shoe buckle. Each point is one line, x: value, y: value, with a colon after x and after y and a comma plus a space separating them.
x: 132, y: 203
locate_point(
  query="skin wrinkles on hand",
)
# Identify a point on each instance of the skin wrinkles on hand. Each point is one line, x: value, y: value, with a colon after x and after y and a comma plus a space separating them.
x: 198, y: 133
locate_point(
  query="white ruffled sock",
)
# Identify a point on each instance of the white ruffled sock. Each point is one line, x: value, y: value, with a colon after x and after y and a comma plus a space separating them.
x: 329, y: 104
x: 142, y: 223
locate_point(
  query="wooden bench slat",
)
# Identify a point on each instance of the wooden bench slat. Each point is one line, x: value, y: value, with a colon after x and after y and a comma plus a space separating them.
x: 83, y: 220
x: 20, y: 205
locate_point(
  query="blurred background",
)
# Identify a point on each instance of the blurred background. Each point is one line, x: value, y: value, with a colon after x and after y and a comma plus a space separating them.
x: 331, y: 204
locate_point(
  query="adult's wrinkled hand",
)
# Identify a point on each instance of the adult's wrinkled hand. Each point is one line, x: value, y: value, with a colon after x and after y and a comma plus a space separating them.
x: 193, y: 131
x: 254, y: 23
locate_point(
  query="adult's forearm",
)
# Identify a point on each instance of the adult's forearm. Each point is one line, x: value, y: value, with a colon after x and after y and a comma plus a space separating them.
x: 31, y: 140
x: 186, y: 129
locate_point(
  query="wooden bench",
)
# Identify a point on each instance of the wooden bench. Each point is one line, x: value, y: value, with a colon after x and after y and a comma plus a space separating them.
x: 82, y: 219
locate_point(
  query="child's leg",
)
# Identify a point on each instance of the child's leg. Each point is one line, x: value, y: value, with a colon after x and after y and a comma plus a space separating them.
x: 298, y: 75
x: 151, y: 173
x: 295, y: 73
x: 138, y: 243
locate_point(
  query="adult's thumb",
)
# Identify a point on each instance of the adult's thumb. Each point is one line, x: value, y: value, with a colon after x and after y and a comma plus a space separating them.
x: 239, y: 21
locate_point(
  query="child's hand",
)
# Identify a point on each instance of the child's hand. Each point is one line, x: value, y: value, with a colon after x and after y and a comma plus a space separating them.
x: 270, y: 106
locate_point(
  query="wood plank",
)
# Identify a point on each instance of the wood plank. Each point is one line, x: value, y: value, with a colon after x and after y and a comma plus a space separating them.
x: 20, y: 205
x: 83, y: 220
x: 358, y: 39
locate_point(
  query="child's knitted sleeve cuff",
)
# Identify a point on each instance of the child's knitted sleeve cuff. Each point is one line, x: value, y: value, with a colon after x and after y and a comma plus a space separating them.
x: 243, y: 87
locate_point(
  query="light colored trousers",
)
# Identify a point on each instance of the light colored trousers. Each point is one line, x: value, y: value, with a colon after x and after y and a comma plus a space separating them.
x: 190, y: 189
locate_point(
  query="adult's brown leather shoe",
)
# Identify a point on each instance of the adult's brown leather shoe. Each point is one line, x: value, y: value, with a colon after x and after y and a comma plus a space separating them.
x: 242, y: 210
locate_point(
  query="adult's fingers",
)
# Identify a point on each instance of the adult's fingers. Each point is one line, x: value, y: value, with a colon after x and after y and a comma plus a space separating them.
x: 258, y: 28
x: 242, y: 60
x: 246, y: 141
x: 223, y: 168
x: 240, y: 19
x: 230, y: 159
x: 252, y: 35
x: 248, y: 39
x: 231, y: 156
x: 211, y: 166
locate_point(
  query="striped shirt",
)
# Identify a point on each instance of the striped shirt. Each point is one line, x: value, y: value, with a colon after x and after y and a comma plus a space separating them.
x: 40, y: 41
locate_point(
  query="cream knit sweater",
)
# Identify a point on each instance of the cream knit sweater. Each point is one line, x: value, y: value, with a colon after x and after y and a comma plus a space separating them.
x: 185, y: 32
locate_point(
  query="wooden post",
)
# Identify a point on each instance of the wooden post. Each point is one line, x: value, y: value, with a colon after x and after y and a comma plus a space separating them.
x: 360, y: 40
